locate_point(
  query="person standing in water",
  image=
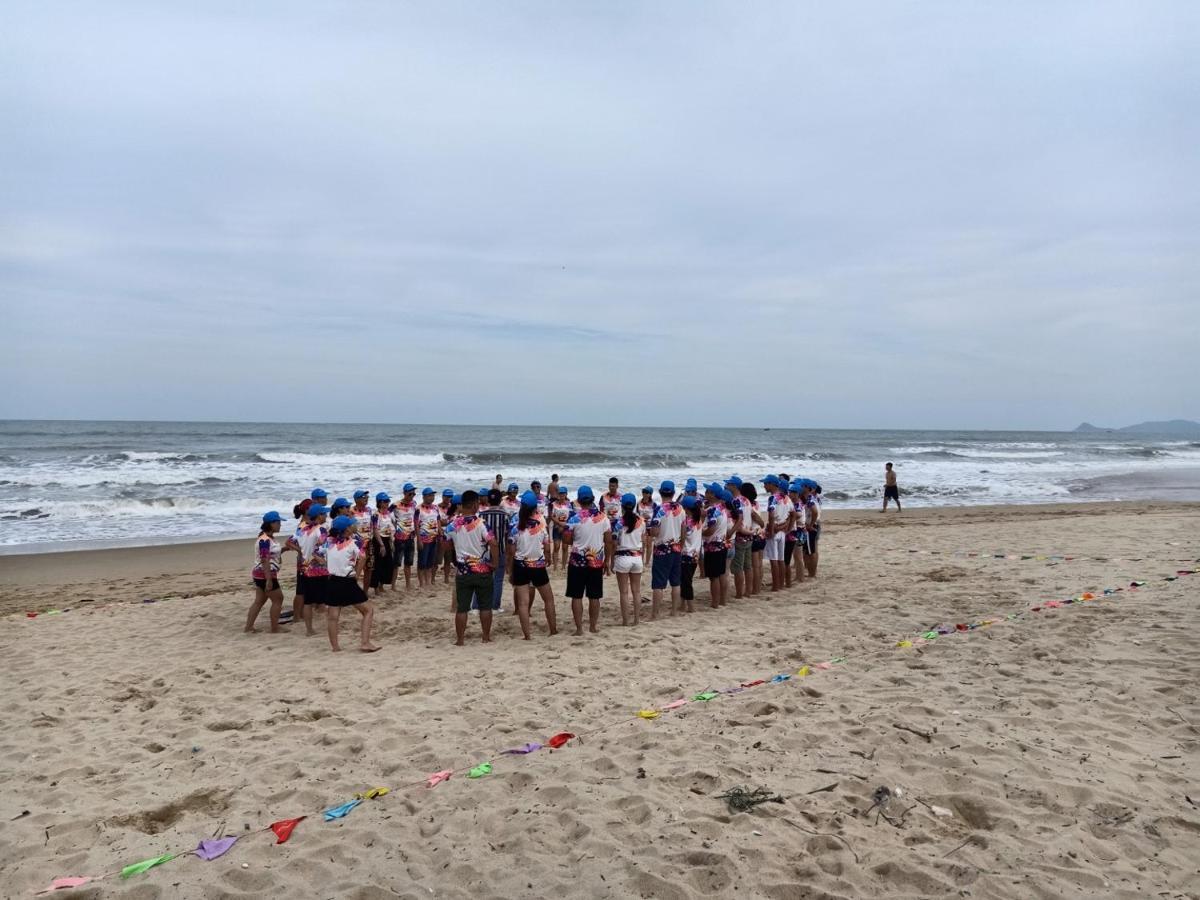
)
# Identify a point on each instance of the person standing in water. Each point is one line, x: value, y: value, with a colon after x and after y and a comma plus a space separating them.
x: 267, y: 562
x: 529, y: 547
x: 891, y: 491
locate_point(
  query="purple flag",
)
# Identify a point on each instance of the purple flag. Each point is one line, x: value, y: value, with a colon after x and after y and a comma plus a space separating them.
x: 525, y: 748
x: 210, y: 850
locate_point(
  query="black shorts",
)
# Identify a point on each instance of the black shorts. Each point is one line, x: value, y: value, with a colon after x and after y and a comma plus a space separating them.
x: 584, y: 579
x: 312, y: 588
x: 891, y: 492
x: 343, y: 590
x: 813, y: 537
x: 715, y: 563
x: 758, y: 545
x: 261, y: 584
x: 789, y: 550
x: 404, y: 553
x: 523, y: 574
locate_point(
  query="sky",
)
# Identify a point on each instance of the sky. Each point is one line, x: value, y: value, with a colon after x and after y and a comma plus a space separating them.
x: 799, y: 214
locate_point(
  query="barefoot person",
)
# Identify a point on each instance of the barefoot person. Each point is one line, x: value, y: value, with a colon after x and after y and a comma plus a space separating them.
x: 645, y: 508
x: 810, y: 497
x: 346, y: 560
x: 497, y: 522
x: 666, y: 539
x: 779, y: 516
x: 716, y: 559
x: 404, y: 521
x: 384, y: 527
x: 693, y: 548
x: 267, y: 560
x: 588, y: 538
x: 561, y: 510
x: 629, y: 543
x: 313, y: 577
x: 364, y: 519
x: 475, y: 555
x: 891, y: 490
x: 611, y: 502
x: 529, y: 548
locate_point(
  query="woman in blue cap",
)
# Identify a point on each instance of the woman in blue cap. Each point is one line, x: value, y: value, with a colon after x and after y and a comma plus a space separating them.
x: 629, y: 542
x: 448, y: 509
x: 267, y: 559
x: 758, y: 541
x: 646, y: 508
x: 385, y: 553
x: 364, y: 520
x: 561, y: 510
x: 529, y: 548
x: 588, y: 537
x: 429, y: 537
x: 310, y: 583
x: 693, y: 547
x: 345, y: 561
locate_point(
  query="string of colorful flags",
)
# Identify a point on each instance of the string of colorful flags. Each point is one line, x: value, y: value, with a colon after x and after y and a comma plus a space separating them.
x: 214, y: 848
x: 1026, y: 557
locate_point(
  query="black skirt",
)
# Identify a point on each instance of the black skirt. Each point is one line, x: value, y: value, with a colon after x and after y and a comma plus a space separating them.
x: 343, y: 590
x: 385, y: 565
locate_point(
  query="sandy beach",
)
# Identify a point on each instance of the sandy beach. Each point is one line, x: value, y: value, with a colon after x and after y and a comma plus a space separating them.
x: 1054, y: 754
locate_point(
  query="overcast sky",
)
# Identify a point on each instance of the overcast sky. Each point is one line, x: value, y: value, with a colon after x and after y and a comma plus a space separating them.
x: 882, y: 214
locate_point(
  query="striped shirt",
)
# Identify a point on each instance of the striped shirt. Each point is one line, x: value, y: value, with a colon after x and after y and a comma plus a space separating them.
x: 497, y: 520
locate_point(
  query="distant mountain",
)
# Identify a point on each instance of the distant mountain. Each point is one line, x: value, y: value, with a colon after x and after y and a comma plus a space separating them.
x: 1184, y: 427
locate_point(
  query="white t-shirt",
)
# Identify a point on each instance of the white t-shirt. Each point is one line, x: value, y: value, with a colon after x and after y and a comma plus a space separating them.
x: 341, y: 555
x: 780, y: 507
x: 471, y: 539
x: 611, y: 504
x: 362, y: 518
x: 588, y: 527
x: 628, y: 539
x: 529, y: 545
x: 385, y: 525
x: 668, y: 520
x: 693, y: 537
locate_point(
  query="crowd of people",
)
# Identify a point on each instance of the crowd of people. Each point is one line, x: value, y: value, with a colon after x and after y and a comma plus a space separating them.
x: 349, y: 549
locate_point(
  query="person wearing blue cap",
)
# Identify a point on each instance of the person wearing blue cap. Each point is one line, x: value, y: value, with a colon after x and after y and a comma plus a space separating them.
x: 268, y: 558
x: 629, y: 543
x: 758, y: 541
x: 716, y: 550
x: 692, y: 551
x: 404, y: 528
x: 791, y: 539
x: 543, y: 500
x: 510, y: 504
x: 529, y: 548
x: 384, y: 528
x: 645, y: 508
x: 692, y: 489
x: 364, y: 519
x: 561, y: 510
x: 666, y: 539
x: 497, y: 522
x: 741, y: 520
x: 448, y: 509
x: 345, y: 559
x: 429, y: 537
x: 319, y: 495
x: 588, y: 537
x: 810, y: 497
x: 779, y: 518
x: 311, y: 582
x: 476, y: 556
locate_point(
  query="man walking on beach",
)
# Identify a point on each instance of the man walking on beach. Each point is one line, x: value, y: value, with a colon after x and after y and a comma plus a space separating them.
x: 890, y: 489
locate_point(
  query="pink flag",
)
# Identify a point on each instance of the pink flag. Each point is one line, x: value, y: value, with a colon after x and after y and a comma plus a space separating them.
x: 65, y: 884
x: 438, y: 777
x: 675, y: 704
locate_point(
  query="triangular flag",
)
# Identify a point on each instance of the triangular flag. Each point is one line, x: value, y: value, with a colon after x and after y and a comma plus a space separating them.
x: 211, y: 849
x: 66, y: 884
x: 438, y: 777
x: 523, y: 749
x: 704, y: 696
x: 283, y: 829
x: 824, y: 665
x: 140, y: 867
x: 755, y: 683
x: 675, y: 704
x: 559, y: 739
x: 904, y: 644
x: 804, y: 672
x: 338, y: 812
x: 480, y: 770
x: 779, y: 679
x: 648, y: 713
x: 372, y: 793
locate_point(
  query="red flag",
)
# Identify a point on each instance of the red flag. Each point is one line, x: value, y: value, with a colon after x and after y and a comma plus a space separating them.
x: 284, y: 829
x: 559, y: 739
x: 755, y: 683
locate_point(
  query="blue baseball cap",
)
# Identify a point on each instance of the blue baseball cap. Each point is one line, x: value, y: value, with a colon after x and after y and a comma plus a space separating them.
x: 770, y: 479
x: 667, y: 487
x: 690, y: 502
x: 317, y: 510
x: 448, y: 492
x: 734, y: 480
x: 339, y: 502
x: 318, y: 494
x: 409, y: 487
x: 341, y: 523
x: 513, y: 486
x: 456, y: 499
x: 361, y: 492
x: 725, y: 496
x: 272, y: 516
x: 690, y: 485
x: 647, y: 490
x: 425, y: 492
x: 562, y: 489
x: 529, y: 498
x: 381, y: 497
x: 628, y: 500
x: 714, y: 487
x: 585, y: 493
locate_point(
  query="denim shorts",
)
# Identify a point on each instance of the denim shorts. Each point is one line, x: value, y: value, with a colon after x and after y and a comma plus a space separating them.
x: 427, y: 555
x: 666, y: 571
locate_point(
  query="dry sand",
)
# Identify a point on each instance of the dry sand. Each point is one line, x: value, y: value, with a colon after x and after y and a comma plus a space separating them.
x: 1064, y: 744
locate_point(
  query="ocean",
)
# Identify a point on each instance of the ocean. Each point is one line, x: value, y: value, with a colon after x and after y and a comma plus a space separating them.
x: 66, y: 485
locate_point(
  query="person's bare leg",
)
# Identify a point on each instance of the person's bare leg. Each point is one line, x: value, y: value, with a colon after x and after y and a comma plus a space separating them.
x: 309, y: 631
x: 332, y: 613
x: 714, y: 591
x: 485, y: 620
x: 523, y: 599
x: 656, y: 598
x: 739, y: 585
x: 408, y: 578
x: 577, y: 614
x: 547, y: 595
x: 297, y: 607
x: 260, y: 598
x: 593, y: 616
x: 812, y: 567
x: 725, y: 589
x: 675, y: 602
x: 367, y: 611
x: 787, y: 573
x: 460, y: 628
x: 276, y: 598
x: 623, y: 590
x: 635, y: 592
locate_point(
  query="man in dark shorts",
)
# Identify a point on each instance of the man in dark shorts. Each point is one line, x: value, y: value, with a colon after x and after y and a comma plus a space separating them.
x: 496, y: 520
x: 588, y: 539
x: 476, y: 556
x: 890, y: 490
